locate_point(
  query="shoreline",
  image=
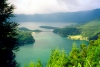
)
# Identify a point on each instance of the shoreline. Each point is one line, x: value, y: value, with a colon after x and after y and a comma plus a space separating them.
x: 77, y: 37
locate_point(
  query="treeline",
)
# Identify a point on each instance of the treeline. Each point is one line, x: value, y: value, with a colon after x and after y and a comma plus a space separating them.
x: 69, y: 30
x: 47, y: 27
x: 89, y: 30
x: 25, y: 29
x: 78, y: 17
x: 85, y: 56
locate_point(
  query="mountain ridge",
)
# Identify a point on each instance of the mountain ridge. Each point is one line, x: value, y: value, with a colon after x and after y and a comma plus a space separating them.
x: 79, y: 17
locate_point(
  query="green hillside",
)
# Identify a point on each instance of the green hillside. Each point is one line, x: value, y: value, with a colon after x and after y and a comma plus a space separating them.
x: 24, y: 36
x: 85, y: 56
x: 89, y: 30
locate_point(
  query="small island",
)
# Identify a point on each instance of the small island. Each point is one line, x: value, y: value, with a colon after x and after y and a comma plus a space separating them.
x: 36, y: 30
x: 47, y: 27
x: 26, y: 29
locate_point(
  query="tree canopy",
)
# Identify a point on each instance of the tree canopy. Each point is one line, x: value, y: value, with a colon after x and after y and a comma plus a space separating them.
x: 8, y: 40
x: 85, y: 56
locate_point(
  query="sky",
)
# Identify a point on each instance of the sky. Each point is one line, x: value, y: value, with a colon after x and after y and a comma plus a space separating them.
x: 53, y: 6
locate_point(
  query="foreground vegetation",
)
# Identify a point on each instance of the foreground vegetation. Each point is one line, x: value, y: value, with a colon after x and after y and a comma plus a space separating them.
x: 8, y: 40
x: 89, y: 30
x: 85, y: 56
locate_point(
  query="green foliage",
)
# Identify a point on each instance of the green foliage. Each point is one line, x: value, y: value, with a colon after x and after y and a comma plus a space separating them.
x: 93, y: 53
x: 67, y: 31
x: 47, y: 27
x: 74, y: 55
x: 57, y: 59
x: 39, y: 64
x: 8, y: 40
x: 91, y: 30
x: 28, y: 30
x: 36, y: 30
x: 85, y: 56
x: 24, y: 29
x: 25, y: 37
x: 32, y: 64
x: 79, y: 65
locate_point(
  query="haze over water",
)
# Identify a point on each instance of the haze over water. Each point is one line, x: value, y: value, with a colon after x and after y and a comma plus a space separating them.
x: 35, y: 25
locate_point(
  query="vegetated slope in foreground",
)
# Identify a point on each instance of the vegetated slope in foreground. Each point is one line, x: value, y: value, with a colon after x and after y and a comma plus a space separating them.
x: 85, y: 56
x: 89, y: 30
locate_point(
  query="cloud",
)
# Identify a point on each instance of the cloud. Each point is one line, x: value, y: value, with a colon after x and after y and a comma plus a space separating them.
x: 80, y: 5
x: 52, y: 6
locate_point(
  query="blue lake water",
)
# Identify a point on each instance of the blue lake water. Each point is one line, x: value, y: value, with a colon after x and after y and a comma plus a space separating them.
x: 44, y: 43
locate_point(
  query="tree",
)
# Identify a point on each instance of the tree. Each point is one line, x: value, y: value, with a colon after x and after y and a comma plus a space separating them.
x: 39, y: 64
x: 58, y: 58
x: 73, y: 56
x: 93, y: 54
x: 32, y: 64
x: 8, y: 40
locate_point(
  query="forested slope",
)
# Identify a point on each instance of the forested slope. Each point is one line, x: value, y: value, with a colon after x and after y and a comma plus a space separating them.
x: 85, y: 56
x: 78, y: 17
x: 90, y: 30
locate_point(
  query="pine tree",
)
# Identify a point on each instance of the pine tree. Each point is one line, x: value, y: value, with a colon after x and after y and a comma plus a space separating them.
x: 39, y: 64
x: 58, y: 58
x: 8, y: 40
x: 32, y: 64
x: 74, y: 56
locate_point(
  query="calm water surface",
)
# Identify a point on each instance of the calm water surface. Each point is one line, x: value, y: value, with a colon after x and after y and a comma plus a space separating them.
x: 44, y: 43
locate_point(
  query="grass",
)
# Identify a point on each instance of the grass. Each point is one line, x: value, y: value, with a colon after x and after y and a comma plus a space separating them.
x: 77, y: 37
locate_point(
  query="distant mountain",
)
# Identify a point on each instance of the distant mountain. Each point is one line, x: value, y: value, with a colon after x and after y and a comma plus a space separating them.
x: 81, y: 16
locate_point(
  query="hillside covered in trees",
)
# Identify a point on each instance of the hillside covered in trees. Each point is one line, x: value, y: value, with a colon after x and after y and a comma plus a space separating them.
x: 85, y: 56
x: 11, y: 36
x: 78, y: 17
x: 90, y: 30
x: 24, y: 36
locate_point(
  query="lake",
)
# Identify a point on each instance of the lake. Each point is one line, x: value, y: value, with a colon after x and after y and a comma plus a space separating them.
x: 44, y: 43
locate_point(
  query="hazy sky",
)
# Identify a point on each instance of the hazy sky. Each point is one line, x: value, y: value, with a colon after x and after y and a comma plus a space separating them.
x: 52, y: 6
